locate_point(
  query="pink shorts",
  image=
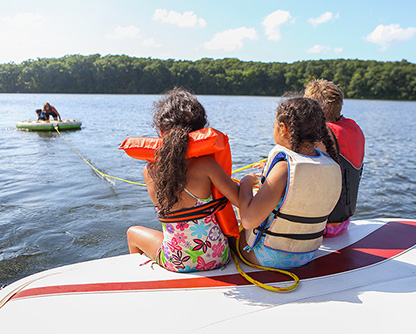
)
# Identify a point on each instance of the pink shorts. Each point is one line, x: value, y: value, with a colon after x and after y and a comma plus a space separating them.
x: 333, y: 230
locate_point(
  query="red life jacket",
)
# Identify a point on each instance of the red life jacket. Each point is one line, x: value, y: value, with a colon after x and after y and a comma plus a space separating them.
x: 206, y: 141
x: 350, y: 142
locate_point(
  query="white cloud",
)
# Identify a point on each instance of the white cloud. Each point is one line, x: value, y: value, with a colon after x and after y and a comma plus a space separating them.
x: 185, y: 20
x: 124, y: 32
x: 325, y: 17
x: 231, y: 39
x: 272, y: 23
x: 23, y: 20
x: 150, y: 42
x: 389, y: 35
x: 318, y: 49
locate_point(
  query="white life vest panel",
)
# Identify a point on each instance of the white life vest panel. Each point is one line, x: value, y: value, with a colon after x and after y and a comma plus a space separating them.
x: 312, y: 191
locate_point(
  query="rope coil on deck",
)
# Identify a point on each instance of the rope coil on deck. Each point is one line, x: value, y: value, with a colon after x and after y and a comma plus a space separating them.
x: 258, y: 283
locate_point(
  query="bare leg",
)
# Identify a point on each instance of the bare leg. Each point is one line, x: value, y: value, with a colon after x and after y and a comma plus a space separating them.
x: 144, y: 240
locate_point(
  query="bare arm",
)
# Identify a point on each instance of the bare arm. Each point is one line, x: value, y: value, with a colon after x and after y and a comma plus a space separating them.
x: 57, y: 113
x: 255, y: 209
x: 204, y: 171
x: 220, y: 179
x: 149, y: 183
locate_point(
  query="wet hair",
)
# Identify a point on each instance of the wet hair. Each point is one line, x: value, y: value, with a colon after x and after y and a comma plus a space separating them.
x: 175, y: 115
x: 306, y: 123
x: 329, y: 96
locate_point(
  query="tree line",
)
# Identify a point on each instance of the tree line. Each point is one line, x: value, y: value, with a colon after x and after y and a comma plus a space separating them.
x: 121, y: 74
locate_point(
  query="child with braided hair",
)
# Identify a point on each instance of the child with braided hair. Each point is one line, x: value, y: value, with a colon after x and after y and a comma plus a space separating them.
x: 284, y: 221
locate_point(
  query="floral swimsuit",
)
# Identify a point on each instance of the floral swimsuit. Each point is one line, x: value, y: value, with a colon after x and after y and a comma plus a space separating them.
x: 193, y: 245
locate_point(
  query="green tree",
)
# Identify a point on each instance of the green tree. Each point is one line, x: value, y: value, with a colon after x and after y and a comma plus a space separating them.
x: 121, y: 74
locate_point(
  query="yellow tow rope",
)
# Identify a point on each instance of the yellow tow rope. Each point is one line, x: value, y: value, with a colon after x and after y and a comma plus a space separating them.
x: 95, y: 169
x: 132, y: 182
x: 258, y: 283
x: 248, y: 166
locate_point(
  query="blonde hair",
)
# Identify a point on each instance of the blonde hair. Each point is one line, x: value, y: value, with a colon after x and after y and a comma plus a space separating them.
x: 328, y: 95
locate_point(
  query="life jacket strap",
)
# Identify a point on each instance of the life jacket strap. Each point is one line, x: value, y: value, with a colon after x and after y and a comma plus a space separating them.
x: 194, y: 213
x: 303, y: 236
x: 295, y: 219
x: 264, y: 229
x: 303, y: 220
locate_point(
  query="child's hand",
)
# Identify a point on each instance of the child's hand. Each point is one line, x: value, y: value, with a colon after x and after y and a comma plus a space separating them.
x: 252, y: 177
x: 259, y: 165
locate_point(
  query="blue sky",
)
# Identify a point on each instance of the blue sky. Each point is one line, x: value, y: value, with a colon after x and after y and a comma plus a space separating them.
x: 267, y: 31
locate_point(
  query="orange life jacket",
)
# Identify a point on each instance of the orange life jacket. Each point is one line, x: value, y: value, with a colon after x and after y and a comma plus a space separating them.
x: 206, y: 141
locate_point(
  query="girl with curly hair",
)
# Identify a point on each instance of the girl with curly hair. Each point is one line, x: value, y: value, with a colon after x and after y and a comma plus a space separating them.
x: 174, y: 183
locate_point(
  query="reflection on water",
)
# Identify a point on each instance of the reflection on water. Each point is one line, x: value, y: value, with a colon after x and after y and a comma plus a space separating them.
x: 55, y: 210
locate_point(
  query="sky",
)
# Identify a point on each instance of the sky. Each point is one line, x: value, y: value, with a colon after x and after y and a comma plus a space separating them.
x: 254, y: 30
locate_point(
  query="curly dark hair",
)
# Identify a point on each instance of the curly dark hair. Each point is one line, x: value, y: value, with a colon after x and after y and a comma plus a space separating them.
x: 175, y: 115
x: 306, y: 122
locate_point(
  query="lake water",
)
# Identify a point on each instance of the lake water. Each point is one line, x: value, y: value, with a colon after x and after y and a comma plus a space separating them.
x: 55, y: 210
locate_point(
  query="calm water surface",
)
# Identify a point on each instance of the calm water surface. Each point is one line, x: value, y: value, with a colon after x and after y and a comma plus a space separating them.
x: 55, y: 210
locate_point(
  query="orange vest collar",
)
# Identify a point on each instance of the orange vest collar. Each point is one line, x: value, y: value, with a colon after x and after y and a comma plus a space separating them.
x: 206, y: 141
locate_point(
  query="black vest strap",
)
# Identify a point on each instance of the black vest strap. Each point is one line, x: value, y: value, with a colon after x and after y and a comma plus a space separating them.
x: 305, y: 236
x: 194, y: 213
x: 294, y: 219
x: 303, y: 220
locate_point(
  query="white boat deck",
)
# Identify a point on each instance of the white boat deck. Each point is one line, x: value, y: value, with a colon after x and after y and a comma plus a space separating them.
x: 363, y: 279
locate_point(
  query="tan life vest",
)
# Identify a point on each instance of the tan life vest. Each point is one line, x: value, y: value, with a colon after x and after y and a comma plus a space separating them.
x: 312, y: 191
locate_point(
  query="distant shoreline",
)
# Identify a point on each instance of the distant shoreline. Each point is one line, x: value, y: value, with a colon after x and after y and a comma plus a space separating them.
x: 121, y: 74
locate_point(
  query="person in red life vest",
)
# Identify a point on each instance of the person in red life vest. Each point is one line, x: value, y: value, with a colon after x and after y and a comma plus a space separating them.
x: 349, y: 142
x: 180, y: 186
x: 285, y: 221
x: 51, y: 111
